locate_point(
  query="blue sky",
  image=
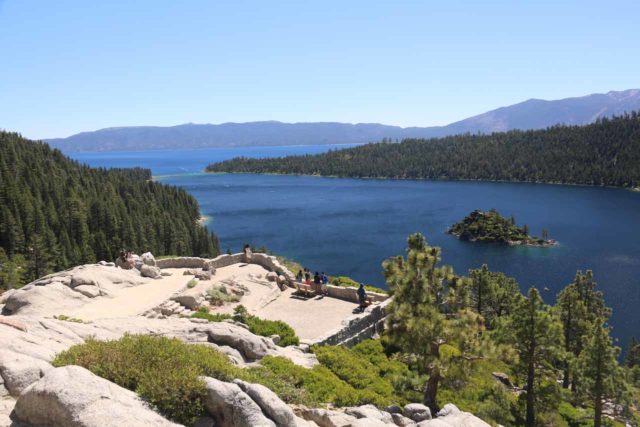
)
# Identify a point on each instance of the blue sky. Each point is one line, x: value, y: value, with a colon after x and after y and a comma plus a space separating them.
x: 71, y: 66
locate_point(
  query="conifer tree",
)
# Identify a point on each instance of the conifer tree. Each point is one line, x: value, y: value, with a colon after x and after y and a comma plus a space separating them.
x: 597, y: 367
x: 579, y: 306
x: 536, y: 335
x: 415, y: 323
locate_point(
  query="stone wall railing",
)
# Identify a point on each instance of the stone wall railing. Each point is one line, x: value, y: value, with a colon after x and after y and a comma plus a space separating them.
x: 269, y: 262
x: 357, y: 328
x: 351, y: 294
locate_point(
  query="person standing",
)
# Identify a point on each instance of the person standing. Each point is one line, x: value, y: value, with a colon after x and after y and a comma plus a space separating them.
x: 325, y: 282
x: 317, y: 283
x: 247, y: 254
x: 362, y: 297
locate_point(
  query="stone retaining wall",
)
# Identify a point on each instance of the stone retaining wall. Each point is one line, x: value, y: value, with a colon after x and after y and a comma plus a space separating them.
x: 269, y: 262
x: 351, y: 294
x: 357, y: 328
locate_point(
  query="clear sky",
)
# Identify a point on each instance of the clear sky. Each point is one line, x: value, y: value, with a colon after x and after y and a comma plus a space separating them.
x: 71, y: 66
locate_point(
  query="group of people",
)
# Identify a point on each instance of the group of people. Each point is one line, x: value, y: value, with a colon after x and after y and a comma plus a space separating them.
x: 126, y: 260
x: 320, y: 280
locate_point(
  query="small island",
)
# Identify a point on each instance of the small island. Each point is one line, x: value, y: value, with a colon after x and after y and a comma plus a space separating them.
x: 492, y: 227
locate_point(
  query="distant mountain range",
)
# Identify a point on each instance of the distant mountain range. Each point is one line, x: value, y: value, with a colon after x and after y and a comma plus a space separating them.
x: 530, y: 114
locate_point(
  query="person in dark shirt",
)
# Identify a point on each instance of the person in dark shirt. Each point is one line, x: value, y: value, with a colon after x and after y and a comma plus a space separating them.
x: 299, y: 276
x: 317, y: 282
x: 362, y: 297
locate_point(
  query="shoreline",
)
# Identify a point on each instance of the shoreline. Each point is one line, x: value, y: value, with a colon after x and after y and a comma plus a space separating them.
x: 531, y: 243
x: 499, y: 181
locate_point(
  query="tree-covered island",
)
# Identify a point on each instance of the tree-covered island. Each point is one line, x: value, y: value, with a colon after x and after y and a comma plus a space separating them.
x: 492, y: 227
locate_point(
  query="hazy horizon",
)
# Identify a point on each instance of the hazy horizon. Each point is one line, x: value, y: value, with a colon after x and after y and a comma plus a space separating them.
x: 71, y: 67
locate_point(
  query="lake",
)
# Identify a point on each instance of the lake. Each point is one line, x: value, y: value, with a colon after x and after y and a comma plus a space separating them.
x: 349, y: 226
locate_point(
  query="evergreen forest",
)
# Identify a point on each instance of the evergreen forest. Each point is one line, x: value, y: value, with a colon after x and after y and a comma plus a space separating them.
x: 56, y: 213
x: 605, y: 153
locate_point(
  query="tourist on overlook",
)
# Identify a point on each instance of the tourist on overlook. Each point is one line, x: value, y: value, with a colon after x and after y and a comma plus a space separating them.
x: 307, y: 276
x: 325, y: 282
x: 299, y: 276
x: 317, y: 282
x: 247, y: 254
x: 362, y: 297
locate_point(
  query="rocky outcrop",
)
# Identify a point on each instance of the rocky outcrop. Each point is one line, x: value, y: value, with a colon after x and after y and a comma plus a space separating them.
x: 18, y: 371
x: 253, y: 347
x: 417, y: 412
x: 451, y: 416
x: 270, y: 404
x: 370, y: 412
x: 327, y: 417
x: 67, y: 290
x: 150, y: 271
x: 51, y: 299
x: 74, y: 397
x: 231, y: 407
x: 42, y: 338
x: 147, y: 258
x: 402, y: 421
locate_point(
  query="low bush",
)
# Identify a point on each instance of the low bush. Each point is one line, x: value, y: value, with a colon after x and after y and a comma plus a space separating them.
x: 211, y: 317
x: 192, y: 283
x: 310, y: 387
x: 163, y: 371
x: 66, y: 318
x: 256, y: 325
x: 218, y: 297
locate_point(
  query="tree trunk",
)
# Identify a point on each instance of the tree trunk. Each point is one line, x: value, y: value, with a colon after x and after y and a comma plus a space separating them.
x: 531, y: 416
x: 565, y: 377
x: 431, y: 391
x: 597, y: 417
x: 567, y: 347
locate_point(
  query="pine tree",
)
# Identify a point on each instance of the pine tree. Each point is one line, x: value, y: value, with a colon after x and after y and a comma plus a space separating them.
x: 536, y: 335
x: 597, y: 366
x: 415, y: 323
x: 579, y: 306
x: 632, y: 357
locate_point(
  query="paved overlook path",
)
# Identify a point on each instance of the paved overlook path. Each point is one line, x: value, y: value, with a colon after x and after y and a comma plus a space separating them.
x: 311, y: 318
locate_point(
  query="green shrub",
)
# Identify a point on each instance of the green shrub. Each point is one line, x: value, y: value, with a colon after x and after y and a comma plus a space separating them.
x: 256, y: 325
x: 473, y: 388
x: 163, y: 371
x: 66, y: 318
x: 218, y: 297
x: 575, y: 417
x: 211, y: 317
x: 267, y: 328
x: 356, y: 370
x: 309, y: 387
x: 192, y: 283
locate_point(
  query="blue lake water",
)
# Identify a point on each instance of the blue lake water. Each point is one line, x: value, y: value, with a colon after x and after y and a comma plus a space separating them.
x: 349, y: 226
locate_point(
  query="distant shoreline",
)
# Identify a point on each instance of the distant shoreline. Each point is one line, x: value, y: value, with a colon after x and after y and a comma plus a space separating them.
x: 633, y: 189
x: 212, y: 148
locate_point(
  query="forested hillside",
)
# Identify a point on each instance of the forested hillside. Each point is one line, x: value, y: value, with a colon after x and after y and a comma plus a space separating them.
x: 604, y: 153
x: 56, y: 213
